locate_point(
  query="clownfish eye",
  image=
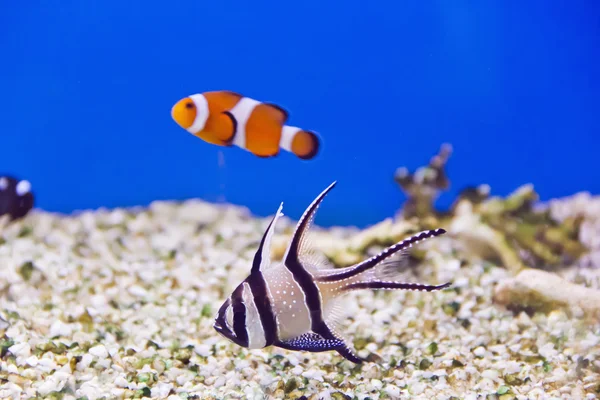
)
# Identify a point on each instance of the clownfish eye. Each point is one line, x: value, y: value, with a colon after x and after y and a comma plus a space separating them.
x: 189, y: 105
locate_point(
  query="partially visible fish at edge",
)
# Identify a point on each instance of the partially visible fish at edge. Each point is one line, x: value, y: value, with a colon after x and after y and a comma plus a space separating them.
x: 16, y: 197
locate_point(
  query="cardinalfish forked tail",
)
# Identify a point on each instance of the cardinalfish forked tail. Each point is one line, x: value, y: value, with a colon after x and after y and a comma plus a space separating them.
x: 227, y: 118
x: 293, y: 304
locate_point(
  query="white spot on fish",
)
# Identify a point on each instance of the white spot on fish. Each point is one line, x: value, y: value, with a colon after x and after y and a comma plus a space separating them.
x: 23, y: 188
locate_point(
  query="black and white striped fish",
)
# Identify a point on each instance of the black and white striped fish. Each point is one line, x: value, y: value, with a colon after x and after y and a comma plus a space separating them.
x: 16, y: 198
x: 292, y: 304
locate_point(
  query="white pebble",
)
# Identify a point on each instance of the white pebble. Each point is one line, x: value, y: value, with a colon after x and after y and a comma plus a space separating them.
x: 313, y: 374
x: 59, y: 328
x: 417, y: 388
x: 33, y: 361
x: 161, y: 390
x: 203, y: 350
x: 99, y: 351
x: 20, y: 349
x: 491, y: 374
x: 376, y: 384
x: 392, y: 390
x: 121, y: 382
x: 137, y: 291
x: 479, y: 351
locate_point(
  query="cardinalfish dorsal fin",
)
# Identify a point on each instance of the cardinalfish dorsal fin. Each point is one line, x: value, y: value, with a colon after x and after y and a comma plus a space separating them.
x: 299, y: 242
x: 262, y: 257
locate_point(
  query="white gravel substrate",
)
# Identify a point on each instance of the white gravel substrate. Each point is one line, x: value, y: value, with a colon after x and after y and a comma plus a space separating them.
x: 120, y: 304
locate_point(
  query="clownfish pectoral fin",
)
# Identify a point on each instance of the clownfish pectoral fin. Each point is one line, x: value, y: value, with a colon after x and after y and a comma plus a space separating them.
x: 311, y: 342
x: 280, y: 114
x: 225, y: 127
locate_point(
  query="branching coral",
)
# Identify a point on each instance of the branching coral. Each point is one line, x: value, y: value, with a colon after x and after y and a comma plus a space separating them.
x: 510, y: 230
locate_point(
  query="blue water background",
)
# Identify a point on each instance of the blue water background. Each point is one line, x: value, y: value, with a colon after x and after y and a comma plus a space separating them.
x: 87, y: 87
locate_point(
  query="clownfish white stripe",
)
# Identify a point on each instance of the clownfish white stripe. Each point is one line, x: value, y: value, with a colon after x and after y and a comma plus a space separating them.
x: 287, y: 136
x: 289, y: 304
x: 202, y: 114
x: 241, y: 112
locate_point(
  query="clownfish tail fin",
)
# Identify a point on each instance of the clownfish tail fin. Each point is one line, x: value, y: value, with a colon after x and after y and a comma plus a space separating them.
x: 304, y: 144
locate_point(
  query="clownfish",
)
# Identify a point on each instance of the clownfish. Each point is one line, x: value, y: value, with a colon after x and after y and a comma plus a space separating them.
x: 16, y: 198
x: 227, y: 118
x: 292, y: 304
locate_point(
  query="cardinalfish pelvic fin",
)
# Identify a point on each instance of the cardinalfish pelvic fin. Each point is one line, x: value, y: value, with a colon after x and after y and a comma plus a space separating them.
x: 226, y: 118
x: 292, y: 303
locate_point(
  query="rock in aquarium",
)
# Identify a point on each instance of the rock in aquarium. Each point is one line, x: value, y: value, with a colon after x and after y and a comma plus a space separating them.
x: 16, y: 198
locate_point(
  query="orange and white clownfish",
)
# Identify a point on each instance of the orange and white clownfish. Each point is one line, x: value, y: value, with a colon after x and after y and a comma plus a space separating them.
x: 226, y: 118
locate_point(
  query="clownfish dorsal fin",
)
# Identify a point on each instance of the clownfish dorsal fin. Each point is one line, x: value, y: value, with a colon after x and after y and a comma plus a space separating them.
x: 262, y: 257
x: 277, y: 112
x: 232, y: 93
x: 299, y: 246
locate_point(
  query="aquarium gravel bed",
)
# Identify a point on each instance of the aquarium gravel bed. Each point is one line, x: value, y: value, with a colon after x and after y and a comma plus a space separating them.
x: 120, y: 304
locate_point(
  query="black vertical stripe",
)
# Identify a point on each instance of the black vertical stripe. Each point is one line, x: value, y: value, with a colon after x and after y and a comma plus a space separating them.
x: 258, y: 285
x: 221, y: 325
x: 239, y: 316
x: 306, y: 281
x: 301, y: 274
